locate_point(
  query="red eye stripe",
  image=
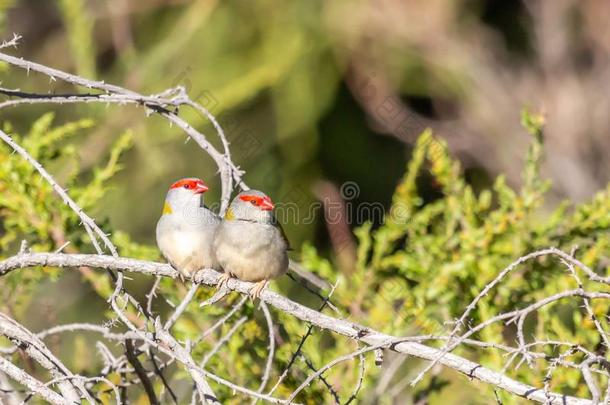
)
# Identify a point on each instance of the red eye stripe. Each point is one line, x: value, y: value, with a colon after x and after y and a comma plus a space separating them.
x: 188, y: 183
x: 249, y: 198
x: 264, y: 203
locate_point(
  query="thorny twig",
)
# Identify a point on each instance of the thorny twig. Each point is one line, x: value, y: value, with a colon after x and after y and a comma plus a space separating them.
x: 370, y: 337
x: 75, y: 387
x: 520, y: 314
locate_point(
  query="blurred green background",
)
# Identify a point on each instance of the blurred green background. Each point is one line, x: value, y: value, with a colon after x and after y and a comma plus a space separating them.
x: 313, y: 94
x: 314, y: 91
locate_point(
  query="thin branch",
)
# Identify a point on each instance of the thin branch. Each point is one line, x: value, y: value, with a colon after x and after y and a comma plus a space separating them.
x: 360, y: 380
x: 33, y: 384
x: 222, y: 341
x: 349, y: 329
x: 222, y: 320
x: 140, y: 371
x: 72, y: 387
x: 37, y: 350
x: 333, y: 363
x: 151, y: 102
x: 182, y: 307
x: 173, y: 349
x: 296, y: 353
x: 587, y: 303
x: 11, y: 42
x: 159, y: 372
x: 270, y: 354
x: 322, y: 379
x: 152, y: 294
x: 89, y: 224
x: 461, y: 321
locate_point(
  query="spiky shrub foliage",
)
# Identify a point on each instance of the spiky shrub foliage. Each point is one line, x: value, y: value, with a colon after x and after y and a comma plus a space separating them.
x: 418, y: 272
x: 31, y: 211
x: 414, y: 273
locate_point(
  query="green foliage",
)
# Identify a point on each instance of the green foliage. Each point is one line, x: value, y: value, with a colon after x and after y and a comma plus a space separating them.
x: 79, y: 26
x: 281, y: 69
x: 29, y: 208
x: 413, y: 274
x: 5, y: 5
x: 430, y: 259
x: 279, y: 62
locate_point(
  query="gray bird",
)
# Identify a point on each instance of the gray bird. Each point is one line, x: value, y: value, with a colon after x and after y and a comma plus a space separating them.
x: 185, y: 231
x: 249, y: 244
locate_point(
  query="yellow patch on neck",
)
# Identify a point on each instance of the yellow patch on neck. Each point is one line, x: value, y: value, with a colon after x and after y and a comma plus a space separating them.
x: 229, y: 216
x: 167, y: 209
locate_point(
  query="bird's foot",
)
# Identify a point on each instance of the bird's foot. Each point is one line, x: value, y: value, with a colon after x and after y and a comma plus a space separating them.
x: 223, y: 280
x: 181, y: 275
x: 255, y: 292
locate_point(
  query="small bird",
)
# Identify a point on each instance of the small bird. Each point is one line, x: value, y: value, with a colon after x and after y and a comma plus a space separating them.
x: 249, y: 244
x: 185, y: 231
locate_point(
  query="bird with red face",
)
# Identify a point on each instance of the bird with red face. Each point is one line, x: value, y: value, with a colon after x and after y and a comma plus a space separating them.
x: 185, y: 231
x: 249, y: 244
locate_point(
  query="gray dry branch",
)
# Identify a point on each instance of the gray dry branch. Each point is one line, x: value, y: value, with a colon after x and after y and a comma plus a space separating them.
x: 147, y: 335
x: 373, y: 339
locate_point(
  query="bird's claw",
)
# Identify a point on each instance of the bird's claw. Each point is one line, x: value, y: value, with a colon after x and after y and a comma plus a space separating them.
x: 223, y: 280
x: 255, y: 292
x: 181, y: 275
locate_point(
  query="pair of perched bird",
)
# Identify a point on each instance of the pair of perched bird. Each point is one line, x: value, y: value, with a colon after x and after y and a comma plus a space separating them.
x: 247, y: 243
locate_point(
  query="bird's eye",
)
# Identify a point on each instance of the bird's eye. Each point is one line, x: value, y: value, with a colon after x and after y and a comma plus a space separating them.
x: 187, y: 186
x: 253, y: 202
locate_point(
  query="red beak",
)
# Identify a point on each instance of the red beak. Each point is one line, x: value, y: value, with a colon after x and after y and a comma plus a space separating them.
x: 266, y: 204
x: 200, y: 189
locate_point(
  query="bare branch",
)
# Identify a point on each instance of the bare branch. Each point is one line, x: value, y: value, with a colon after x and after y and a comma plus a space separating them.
x: 89, y: 224
x: 38, y: 351
x: 349, y: 329
x: 33, y: 384
x: 182, y: 307
x: 140, y: 371
x: 297, y: 352
x: 271, y: 332
x: 223, y: 341
x: 223, y: 319
x: 461, y: 321
x: 336, y: 361
x: 228, y: 169
x: 157, y: 340
x: 12, y: 42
